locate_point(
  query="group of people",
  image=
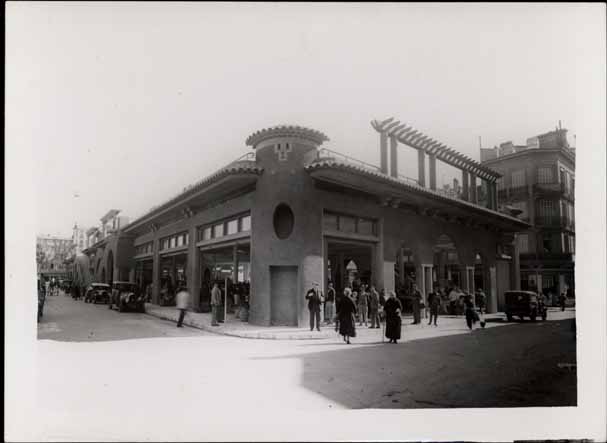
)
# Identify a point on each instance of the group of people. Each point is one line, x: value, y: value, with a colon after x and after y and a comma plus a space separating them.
x: 353, y: 306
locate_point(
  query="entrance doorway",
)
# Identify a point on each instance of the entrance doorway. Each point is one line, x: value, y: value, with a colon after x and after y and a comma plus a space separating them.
x: 283, y: 295
x: 228, y: 262
x: 349, y: 264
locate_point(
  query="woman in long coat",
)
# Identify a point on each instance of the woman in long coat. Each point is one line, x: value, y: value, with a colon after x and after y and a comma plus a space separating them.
x: 393, y: 309
x: 346, y: 311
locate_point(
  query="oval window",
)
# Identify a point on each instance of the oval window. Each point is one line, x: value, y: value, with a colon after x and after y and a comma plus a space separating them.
x: 283, y: 221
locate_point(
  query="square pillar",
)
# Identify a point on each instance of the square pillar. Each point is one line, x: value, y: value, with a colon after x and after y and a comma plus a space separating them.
x: 193, y: 270
x: 432, y: 171
x: 383, y: 152
x: 393, y: 157
x: 473, y: 196
x: 421, y: 167
x: 465, y: 187
x: 156, y: 272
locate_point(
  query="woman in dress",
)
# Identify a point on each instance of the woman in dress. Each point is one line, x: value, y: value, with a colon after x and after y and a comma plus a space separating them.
x: 346, y: 311
x: 393, y: 309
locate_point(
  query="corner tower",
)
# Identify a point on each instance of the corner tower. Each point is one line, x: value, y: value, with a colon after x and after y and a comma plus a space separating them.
x: 286, y: 238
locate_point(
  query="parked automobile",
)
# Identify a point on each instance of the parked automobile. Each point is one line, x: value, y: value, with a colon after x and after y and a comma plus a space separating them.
x: 525, y: 304
x: 127, y: 296
x: 97, y: 293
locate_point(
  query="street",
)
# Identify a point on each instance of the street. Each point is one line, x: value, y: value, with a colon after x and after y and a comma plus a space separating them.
x: 137, y: 362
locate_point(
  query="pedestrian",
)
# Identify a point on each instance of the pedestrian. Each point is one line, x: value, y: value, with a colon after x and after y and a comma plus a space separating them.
x: 374, y: 308
x: 417, y: 300
x: 330, y: 304
x: 481, y: 300
x: 346, y: 311
x: 315, y: 299
x: 393, y: 308
x: 471, y: 315
x: 434, y: 303
x: 562, y: 301
x: 362, y: 306
x: 215, y: 304
x: 453, y: 296
x: 47, y: 288
x: 183, y: 301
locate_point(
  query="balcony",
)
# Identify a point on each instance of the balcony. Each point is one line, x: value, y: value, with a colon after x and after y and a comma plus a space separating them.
x: 554, y: 221
x: 553, y: 189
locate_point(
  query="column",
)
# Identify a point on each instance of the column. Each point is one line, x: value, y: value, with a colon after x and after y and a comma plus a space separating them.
x: 340, y: 270
x: 432, y: 171
x: 421, y: 167
x: 383, y: 152
x: 465, y: 187
x: 156, y: 272
x: 393, y: 157
x: 473, y: 196
x: 193, y: 270
x: 235, y: 264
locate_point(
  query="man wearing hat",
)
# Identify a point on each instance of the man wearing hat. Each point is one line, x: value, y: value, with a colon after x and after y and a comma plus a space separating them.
x: 315, y: 300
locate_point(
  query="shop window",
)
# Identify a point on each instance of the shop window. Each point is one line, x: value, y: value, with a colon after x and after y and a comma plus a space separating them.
x: 218, y: 230
x: 232, y: 227
x: 173, y: 242
x: 347, y: 224
x: 366, y: 226
x: 245, y: 223
x: 330, y: 222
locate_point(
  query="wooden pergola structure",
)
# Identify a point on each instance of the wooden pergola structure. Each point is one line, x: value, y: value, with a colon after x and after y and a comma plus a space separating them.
x: 426, y: 146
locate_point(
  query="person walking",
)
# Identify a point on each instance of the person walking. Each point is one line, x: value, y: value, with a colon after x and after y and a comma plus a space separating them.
x: 362, y: 306
x: 315, y: 299
x: 562, y: 301
x: 393, y: 308
x: 471, y: 315
x: 330, y: 305
x: 434, y: 303
x: 374, y: 308
x: 47, y: 288
x: 346, y: 311
x: 215, y: 304
x: 183, y: 301
x: 417, y: 302
x: 481, y: 300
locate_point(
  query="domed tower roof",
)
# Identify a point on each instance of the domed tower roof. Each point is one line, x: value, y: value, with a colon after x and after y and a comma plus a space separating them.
x: 280, y: 131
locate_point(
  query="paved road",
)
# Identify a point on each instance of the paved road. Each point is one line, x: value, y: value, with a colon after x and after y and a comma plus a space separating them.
x: 66, y: 319
x: 520, y: 364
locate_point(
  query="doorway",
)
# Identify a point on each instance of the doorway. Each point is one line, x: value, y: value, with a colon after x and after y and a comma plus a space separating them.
x: 349, y: 265
x: 283, y: 295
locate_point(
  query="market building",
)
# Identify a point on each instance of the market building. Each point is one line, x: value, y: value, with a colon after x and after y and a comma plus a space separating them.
x: 538, y: 179
x: 290, y: 213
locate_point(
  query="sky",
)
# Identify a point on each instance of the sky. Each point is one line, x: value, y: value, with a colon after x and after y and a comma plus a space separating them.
x: 122, y: 105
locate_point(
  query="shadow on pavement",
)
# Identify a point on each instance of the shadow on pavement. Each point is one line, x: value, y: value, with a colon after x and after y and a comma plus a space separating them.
x: 522, y: 366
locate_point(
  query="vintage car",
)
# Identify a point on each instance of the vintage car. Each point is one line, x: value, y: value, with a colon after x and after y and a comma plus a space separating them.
x: 127, y: 296
x: 525, y: 304
x: 97, y: 293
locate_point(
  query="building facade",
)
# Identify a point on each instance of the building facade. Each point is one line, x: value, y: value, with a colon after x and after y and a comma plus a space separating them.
x: 51, y: 256
x: 290, y: 213
x: 539, y: 181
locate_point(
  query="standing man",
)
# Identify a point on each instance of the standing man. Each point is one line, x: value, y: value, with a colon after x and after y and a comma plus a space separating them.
x: 329, y: 305
x: 434, y: 302
x: 183, y: 301
x: 562, y: 300
x: 215, y: 304
x: 315, y: 299
x: 374, y: 308
x: 417, y: 301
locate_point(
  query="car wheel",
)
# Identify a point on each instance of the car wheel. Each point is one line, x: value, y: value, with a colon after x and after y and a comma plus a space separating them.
x: 509, y: 316
x: 533, y: 315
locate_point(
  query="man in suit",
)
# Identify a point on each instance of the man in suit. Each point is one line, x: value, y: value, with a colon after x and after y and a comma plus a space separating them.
x: 315, y: 300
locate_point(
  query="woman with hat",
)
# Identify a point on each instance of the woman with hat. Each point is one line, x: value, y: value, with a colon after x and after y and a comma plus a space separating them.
x: 393, y: 309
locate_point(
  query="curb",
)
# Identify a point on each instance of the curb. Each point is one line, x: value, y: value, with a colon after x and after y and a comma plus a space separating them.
x: 251, y: 335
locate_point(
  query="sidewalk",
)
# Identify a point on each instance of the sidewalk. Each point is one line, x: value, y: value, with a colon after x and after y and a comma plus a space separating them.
x: 447, y: 324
